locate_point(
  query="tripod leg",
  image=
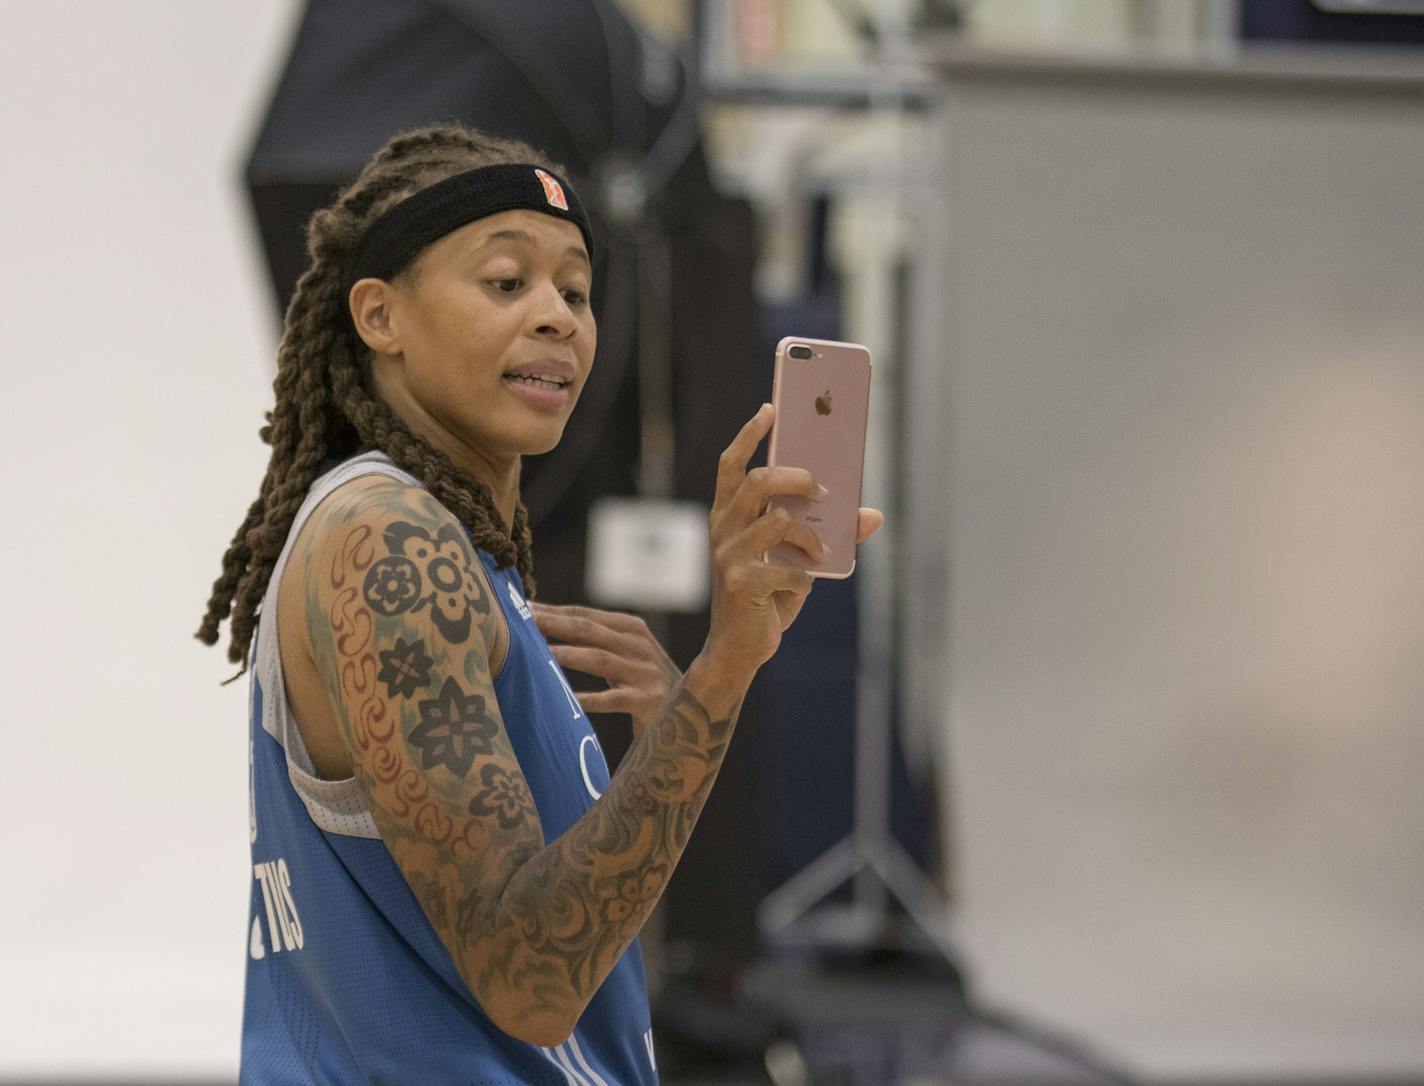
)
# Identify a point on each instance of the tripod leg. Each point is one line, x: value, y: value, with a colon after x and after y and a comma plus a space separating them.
x: 808, y: 886
x: 920, y: 897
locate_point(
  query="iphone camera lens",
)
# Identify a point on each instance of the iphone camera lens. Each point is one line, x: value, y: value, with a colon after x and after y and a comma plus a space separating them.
x: 800, y: 351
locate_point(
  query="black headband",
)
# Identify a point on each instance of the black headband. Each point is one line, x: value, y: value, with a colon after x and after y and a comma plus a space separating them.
x: 402, y: 231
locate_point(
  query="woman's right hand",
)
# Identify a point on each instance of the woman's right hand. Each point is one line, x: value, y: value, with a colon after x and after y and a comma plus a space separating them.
x: 753, y: 600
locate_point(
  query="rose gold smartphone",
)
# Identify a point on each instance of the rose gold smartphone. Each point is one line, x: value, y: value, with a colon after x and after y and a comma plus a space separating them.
x: 821, y: 391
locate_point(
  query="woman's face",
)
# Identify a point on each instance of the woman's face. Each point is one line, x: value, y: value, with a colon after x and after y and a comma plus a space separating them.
x: 495, y: 335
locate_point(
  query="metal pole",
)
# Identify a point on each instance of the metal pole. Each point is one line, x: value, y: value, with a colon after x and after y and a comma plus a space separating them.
x: 871, y: 855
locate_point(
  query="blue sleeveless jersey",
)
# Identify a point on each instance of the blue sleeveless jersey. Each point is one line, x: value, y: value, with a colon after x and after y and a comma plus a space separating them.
x: 347, y: 982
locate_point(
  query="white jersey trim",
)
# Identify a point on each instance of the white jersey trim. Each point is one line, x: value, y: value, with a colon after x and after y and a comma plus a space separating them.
x: 573, y: 1044
x: 335, y: 806
x: 562, y: 1057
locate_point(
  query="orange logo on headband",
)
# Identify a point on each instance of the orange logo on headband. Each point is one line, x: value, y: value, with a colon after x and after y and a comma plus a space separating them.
x: 553, y: 191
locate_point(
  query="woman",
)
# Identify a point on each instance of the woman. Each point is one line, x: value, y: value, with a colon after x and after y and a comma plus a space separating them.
x: 448, y: 886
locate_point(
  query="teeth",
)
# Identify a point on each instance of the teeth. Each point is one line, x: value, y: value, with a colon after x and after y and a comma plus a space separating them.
x: 538, y: 382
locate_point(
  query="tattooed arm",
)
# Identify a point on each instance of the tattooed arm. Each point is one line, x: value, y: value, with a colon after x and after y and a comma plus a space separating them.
x: 402, y: 626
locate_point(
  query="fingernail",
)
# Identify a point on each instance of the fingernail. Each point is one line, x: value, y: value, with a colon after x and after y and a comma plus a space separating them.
x: 763, y: 409
x: 821, y: 493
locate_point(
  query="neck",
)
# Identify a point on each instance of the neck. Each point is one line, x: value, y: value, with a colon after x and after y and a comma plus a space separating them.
x: 502, y: 480
x: 499, y: 473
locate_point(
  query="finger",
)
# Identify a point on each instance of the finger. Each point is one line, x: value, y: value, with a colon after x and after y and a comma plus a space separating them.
x: 565, y: 624
x: 732, y: 466
x: 762, y: 484
x: 780, y: 526
x: 786, y: 581
x: 608, y: 701
x: 871, y: 521
x: 614, y: 620
x: 760, y: 580
x: 597, y: 662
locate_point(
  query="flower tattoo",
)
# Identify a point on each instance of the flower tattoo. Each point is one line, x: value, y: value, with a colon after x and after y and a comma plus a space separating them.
x: 634, y: 892
x: 424, y: 570
x: 405, y: 668
x: 503, y: 796
x: 393, y: 586
x: 453, y: 729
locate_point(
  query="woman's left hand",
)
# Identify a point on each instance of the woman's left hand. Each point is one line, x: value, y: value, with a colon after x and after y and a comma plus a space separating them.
x: 618, y: 648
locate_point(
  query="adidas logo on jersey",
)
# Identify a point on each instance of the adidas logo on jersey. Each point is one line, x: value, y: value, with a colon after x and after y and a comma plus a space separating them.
x: 518, y: 600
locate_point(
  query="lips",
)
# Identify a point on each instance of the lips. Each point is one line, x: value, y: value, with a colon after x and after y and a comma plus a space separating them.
x: 551, y: 373
x: 553, y: 384
x: 544, y: 383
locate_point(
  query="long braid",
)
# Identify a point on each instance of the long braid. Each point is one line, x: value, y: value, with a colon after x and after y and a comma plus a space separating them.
x: 324, y: 404
x: 469, y: 501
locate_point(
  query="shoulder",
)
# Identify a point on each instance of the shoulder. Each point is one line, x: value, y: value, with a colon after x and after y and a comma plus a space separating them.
x: 381, y: 542
x: 374, y: 492
x: 375, y: 506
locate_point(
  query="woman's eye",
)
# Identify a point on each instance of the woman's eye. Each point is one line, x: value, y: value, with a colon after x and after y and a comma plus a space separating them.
x: 507, y: 286
x: 575, y: 298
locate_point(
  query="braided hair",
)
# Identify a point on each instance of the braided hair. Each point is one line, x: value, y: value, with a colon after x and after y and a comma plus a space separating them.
x: 325, y: 404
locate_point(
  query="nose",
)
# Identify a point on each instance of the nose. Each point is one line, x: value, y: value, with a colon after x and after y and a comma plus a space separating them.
x: 552, y: 314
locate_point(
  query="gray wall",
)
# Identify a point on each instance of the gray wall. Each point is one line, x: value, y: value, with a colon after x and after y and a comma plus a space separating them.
x: 1170, y: 380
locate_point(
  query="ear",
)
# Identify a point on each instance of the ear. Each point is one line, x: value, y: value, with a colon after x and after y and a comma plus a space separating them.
x: 371, y: 303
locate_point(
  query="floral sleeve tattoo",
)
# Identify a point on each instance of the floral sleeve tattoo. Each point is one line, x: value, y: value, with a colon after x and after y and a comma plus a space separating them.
x: 401, y: 621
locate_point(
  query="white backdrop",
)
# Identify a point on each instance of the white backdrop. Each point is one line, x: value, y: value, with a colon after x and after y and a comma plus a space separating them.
x: 139, y: 337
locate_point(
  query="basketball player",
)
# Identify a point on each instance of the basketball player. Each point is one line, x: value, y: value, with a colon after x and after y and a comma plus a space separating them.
x: 447, y: 884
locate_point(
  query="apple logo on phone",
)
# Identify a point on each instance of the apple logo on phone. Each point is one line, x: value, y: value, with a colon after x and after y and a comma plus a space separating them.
x: 823, y: 403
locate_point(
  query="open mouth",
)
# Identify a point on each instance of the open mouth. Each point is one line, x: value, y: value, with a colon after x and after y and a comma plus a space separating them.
x: 551, y: 383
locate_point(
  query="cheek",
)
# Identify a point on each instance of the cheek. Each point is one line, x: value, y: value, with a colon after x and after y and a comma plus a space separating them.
x: 465, y: 353
x: 589, y: 342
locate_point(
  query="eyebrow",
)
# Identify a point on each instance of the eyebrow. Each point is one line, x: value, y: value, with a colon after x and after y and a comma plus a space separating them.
x: 525, y: 236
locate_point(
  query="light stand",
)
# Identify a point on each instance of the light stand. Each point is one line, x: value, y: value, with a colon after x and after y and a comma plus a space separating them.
x: 870, y: 856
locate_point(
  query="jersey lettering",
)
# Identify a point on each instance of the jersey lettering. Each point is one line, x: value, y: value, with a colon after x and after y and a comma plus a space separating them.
x: 284, y: 882
x: 284, y: 927
x: 255, y: 946
x: 568, y: 690
x: 584, y: 744
x: 259, y: 871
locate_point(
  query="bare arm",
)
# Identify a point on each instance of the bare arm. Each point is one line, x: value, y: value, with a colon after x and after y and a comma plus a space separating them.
x: 401, y: 622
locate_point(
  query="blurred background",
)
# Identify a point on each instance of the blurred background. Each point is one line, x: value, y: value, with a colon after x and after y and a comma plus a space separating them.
x: 1106, y: 764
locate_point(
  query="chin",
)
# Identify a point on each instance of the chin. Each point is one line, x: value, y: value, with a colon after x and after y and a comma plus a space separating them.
x: 547, y: 446
x: 544, y: 439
